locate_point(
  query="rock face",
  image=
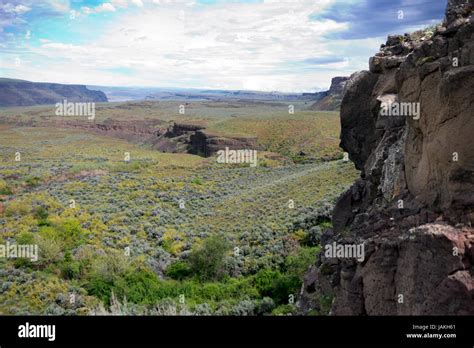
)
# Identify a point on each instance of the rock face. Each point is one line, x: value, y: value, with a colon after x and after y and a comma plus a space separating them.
x: 412, y: 207
x: 176, y: 139
x: 338, y: 84
x: 195, y: 139
x: 26, y: 93
x: 178, y: 129
x: 206, y: 143
x: 331, y: 99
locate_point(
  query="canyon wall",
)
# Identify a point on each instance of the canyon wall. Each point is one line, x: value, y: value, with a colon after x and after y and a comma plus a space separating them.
x: 26, y: 93
x: 206, y: 143
x: 331, y: 99
x: 412, y: 207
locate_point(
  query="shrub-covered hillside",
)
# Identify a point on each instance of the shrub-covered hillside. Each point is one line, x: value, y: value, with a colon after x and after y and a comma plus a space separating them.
x: 160, y: 233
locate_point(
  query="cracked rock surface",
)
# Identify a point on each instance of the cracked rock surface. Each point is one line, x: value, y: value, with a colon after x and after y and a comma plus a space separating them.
x: 412, y: 207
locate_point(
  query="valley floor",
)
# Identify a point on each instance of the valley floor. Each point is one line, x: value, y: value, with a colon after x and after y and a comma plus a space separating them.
x: 159, y: 234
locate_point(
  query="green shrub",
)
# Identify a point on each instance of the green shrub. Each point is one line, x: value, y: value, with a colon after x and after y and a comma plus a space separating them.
x: 68, y: 233
x: 32, y: 181
x: 298, y: 263
x: 49, y: 249
x: 100, y: 288
x: 41, y: 214
x: 215, y: 291
x: 17, y: 208
x: 25, y: 238
x: 4, y: 188
x: 264, y: 281
x: 178, y: 270
x: 285, y: 286
x: 110, y: 267
x: 105, y: 272
x: 209, y: 260
x: 138, y: 286
x: 265, y: 306
x: 70, y: 269
x: 287, y: 309
x: 197, y: 181
x: 241, y: 287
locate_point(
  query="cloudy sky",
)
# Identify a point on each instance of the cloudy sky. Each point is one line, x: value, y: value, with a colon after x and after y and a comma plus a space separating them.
x: 291, y: 45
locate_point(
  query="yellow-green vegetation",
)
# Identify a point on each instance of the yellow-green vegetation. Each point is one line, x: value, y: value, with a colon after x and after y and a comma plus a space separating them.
x: 165, y: 233
x: 315, y: 134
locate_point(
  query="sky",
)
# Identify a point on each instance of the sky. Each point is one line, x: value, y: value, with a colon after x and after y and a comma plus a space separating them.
x: 266, y: 45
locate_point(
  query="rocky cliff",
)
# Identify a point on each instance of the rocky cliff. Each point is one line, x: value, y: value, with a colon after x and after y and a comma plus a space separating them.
x: 196, y: 139
x: 26, y: 93
x: 412, y: 208
x: 206, y: 143
x: 331, y: 99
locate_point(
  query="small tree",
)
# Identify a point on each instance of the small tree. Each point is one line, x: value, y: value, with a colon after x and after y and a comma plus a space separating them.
x: 208, y: 261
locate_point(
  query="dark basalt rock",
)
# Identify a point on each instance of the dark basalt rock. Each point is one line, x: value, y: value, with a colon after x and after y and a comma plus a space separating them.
x: 331, y: 99
x: 413, y: 205
x: 205, y: 143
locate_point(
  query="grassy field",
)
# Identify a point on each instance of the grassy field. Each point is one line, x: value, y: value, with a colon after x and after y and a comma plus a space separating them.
x: 314, y: 133
x: 164, y: 233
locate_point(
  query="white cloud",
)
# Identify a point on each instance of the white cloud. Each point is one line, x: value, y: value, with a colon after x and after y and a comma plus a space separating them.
x: 232, y: 46
x: 119, y: 3
x: 105, y: 7
x: 14, y: 9
x: 138, y: 3
x: 111, y: 6
x: 58, y: 5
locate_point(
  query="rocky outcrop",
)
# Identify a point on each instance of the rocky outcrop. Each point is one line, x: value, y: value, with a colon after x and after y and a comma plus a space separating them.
x: 338, y: 84
x: 26, y: 93
x: 195, y: 139
x: 178, y: 129
x: 206, y: 143
x: 412, y: 208
x: 176, y: 139
x: 331, y: 99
